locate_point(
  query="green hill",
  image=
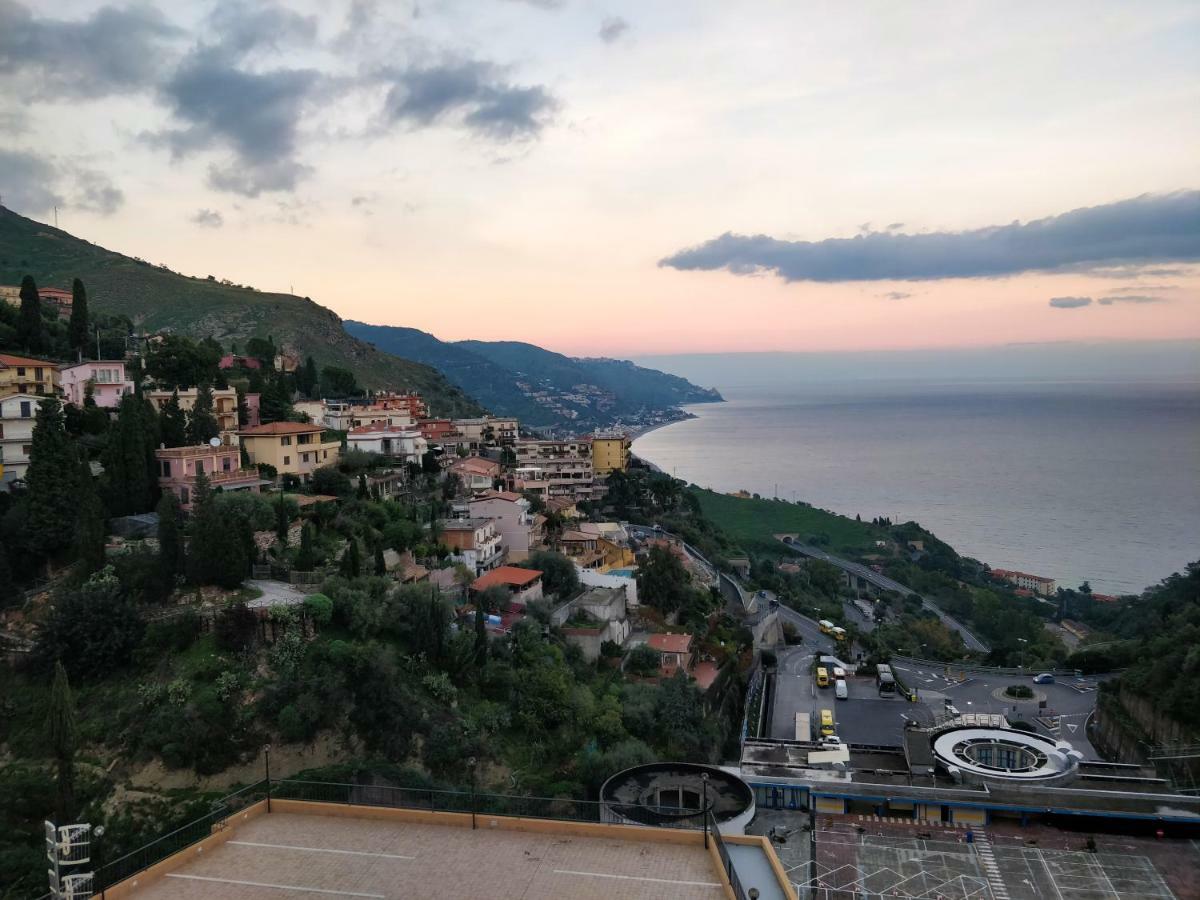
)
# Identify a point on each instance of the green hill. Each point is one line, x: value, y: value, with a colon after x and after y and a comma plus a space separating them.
x: 157, y: 298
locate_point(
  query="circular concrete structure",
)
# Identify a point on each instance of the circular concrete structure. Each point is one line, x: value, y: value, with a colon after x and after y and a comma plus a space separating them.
x: 1004, y: 755
x: 671, y: 794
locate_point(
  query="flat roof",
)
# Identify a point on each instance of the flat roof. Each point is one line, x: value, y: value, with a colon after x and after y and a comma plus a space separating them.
x: 306, y: 854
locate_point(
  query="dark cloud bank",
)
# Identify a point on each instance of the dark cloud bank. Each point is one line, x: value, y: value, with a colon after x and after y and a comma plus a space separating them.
x: 1142, y: 230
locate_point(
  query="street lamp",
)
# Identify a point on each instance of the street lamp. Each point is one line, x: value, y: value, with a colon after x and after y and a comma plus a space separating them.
x: 471, y: 767
x: 704, y: 805
x: 267, y: 761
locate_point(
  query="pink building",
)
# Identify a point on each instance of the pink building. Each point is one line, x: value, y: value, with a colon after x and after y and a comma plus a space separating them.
x: 253, y: 414
x: 107, y: 377
x: 178, y: 467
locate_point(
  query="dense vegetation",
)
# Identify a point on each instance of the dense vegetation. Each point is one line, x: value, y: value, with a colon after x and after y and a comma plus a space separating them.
x: 492, y: 372
x: 199, y: 307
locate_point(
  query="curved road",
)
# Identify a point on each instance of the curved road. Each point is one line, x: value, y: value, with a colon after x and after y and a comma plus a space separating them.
x: 887, y: 584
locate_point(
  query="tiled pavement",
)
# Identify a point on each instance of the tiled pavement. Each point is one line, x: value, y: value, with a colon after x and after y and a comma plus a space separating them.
x: 310, y: 856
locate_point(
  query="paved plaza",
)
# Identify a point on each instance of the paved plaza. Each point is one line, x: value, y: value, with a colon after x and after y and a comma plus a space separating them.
x: 306, y: 856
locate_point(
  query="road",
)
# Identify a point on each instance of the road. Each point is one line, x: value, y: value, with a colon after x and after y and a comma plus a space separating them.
x: 1074, y: 704
x: 866, y: 573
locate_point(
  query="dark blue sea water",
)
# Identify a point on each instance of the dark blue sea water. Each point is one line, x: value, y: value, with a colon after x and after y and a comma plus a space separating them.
x: 1075, y: 480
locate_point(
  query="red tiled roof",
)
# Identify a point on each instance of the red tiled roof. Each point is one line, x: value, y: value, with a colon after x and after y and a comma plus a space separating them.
x: 671, y: 643
x: 509, y: 576
x: 499, y: 495
x: 7, y: 359
x: 281, y: 428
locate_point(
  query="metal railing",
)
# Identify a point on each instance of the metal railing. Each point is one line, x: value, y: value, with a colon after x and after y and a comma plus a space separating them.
x: 180, y: 839
x: 726, y: 859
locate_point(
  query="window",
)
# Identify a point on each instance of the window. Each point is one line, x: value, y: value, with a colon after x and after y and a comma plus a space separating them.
x: 185, y: 496
x: 25, y: 405
x: 324, y: 454
x: 303, y: 457
x: 164, y: 468
x: 227, y: 464
x: 287, y: 460
x: 199, y: 467
x: 37, y: 374
x: 41, y: 389
x: 26, y: 449
x: 285, y: 442
x: 20, y: 371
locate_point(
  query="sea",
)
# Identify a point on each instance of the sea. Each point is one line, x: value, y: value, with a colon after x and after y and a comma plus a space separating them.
x: 1085, y: 471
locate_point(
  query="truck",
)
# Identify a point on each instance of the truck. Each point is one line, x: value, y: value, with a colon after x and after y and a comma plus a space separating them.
x: 803, y: 727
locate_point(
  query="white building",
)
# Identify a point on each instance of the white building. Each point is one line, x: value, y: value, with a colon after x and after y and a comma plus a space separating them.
x: 17, y: 414
x: 473, y: 542
x: 520, y: 529
x: 387, y: 440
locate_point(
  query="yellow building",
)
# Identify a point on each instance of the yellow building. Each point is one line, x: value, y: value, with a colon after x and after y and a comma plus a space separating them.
x: 292, y: 448
x: 610, y: 452
x: 25, y: 375
x: 224, y: 404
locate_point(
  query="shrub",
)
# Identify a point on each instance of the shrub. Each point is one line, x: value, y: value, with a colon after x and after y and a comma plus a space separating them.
x: 320, y: 608
x: 643, y: 660
x: 328, y: 480
x: 1020, y: 691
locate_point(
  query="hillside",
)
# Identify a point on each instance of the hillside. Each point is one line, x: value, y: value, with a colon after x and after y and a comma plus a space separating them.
x: 158, y: 298
x: 545, y: 389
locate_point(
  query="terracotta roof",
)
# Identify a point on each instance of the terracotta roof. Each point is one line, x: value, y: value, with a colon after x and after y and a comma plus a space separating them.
x: 509, y: 576
x: 7, y: 359
x: 281, y: 428
x: 93, y: 362
x: 671, y: 643
x: 577, y: 536
x: 384, y: 428
x: 477, y: 464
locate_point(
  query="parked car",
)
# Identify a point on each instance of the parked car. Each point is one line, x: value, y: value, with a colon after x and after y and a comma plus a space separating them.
x: 840, y: 691
x: 1044, y: 678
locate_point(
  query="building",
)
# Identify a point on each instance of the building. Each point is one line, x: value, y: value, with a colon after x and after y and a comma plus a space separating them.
x: 520, y: 529
x: 623, y: 579
x: 610, y: 452
x: 554, y: 468
x: 339, y: 415
x: 225, y: 405
x: 232, y: 361
x: 488, y: 431
x: 1036, y: 583
x: 597, y: 615
x: 410, y: 404
x: 62, y: 302
x: 292, y: 448
x: 17, y: 412
x: 473, y: 542
x: 107, y: 378
x: 26, y: 375
x: 523, y: 585
x: 476, y: 473
x: 403, y: 444
x: 179, y: 466
x: 676, y: 650
x: 314, y: 409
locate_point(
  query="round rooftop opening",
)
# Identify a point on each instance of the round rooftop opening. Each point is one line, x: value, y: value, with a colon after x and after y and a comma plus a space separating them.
x: 1003, y: 754
x: 672, y: 795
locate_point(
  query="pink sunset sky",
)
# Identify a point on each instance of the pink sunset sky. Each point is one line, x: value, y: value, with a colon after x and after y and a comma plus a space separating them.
x: 536, y: 170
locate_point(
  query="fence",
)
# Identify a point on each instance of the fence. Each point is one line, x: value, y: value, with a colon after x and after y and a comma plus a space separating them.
x: 181, y: 838
x: 726, y: 860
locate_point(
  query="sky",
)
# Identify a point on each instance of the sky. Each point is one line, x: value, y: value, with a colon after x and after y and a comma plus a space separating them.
x: 634, y: 178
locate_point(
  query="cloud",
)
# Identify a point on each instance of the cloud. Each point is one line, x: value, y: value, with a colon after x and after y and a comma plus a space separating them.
x: 249, y: 25
x: 1130, y: 298
x: 543, y: 4
x: 612, y: 29
x: 113, y: 51
x: 28, y: 182
x: 95, y: 192
x: 1143, y: 230
x: 896, y: 295
x: 207, y: 218
x: 1070, y: 302
x: 473, y: 90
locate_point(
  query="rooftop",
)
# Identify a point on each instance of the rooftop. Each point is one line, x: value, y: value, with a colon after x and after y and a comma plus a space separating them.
x: 275, y: 428
x: 509, y: 576
x: 8, y: 359
x: 671, y: 643
x: 464, y: 524
x: 500, y: 495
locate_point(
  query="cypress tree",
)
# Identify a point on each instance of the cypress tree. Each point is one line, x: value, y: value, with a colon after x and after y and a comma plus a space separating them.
x: 62, y: 733
x: 481, y: 638
x: 51, y: 482
x: 171, y: 562
x: 351, y: 565
x: 275, y: 404
x: 31, y: 329
x: 282, y: 520
x: 243, y: 410
x: 128, y: 458
x: 380, y: 562
x: 217, y: 553
x: 77, y: 330
x: 173, y: 422
x: 6, y: 579
x: 363, y: 491
x: 89, y: 527
x: 202, y: 424
x: 307, y: 378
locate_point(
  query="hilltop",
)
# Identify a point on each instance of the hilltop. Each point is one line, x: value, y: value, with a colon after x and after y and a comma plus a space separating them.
x: 545, y: 389
x: 157, y: 298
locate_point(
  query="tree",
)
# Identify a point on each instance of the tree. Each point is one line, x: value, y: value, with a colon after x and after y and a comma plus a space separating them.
x: 380, y: 562
x: 129, y: 459
x: 351, y: 565
x: 338, y: 382
x: 307, y: 379
x: 243, y: 409
x: 90, y: 531
x: 31, y: 328
x: 330, y: 481
x: 217, y: 553
x: 558, y: 572
x: 306, y: 559
x: 172, y: 422
x: 481, y: 638
x: 171, y: 560
x: 202, y: 424
x: 262, y: 349
x: 92, y: 630
x: 662, y: 580
x: 275, y: 402
x: 177, y: 361
x: 77, y: 329
x: 62, y: 733
x: 51, y: 482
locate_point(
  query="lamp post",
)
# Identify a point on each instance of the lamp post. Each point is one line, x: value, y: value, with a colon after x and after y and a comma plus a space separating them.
x: 704, y: 805
x: 471, y: 768
x: 267, y: 761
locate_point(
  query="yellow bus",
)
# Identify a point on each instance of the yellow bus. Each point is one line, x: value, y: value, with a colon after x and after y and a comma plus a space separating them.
x: 839, y: 633
x: 822, y: 677
x: 826, y: 626
x: 826, y: 722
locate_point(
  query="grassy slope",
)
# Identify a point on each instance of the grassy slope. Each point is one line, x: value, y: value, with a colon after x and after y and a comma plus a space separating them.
x: 754, y: 522
x: 196, y: 307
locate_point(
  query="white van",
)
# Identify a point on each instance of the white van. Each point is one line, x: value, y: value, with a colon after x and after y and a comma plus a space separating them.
x: 839, y: 689
x: 839, y: 673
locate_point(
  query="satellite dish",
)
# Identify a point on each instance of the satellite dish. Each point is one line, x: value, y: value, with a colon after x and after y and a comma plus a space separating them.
x: 214, y: 442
